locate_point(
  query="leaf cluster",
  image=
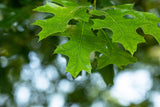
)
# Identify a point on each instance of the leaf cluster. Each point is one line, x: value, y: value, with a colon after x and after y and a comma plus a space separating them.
x: 87, y: 29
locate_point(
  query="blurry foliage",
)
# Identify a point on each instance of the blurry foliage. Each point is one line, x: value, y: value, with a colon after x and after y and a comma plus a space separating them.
x: 17, y: 39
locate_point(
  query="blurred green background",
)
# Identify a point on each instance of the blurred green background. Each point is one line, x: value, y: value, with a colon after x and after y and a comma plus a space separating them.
x: 32, y: 76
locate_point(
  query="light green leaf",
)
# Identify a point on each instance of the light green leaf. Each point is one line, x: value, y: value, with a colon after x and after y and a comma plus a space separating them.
x: 124, y: 29
x: 114, y: 54
x: 82, y: 43
x: 63, y: 14
x: 121, y: 20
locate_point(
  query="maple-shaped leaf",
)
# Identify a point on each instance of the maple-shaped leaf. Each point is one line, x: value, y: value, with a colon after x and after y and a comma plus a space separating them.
x: 123, y: 22
x: 82, y: 42
x: 114, y: 54
x: 62, y: 15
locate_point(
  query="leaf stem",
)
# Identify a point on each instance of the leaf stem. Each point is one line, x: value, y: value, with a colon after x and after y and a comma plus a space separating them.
x: 94, y: 5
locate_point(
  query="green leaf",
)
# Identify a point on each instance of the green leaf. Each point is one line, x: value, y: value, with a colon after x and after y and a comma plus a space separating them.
x: 121, y: 20
x: 114, y: 54
x: 63, y: 14
x: 82, y: 43
x: 124, y: 29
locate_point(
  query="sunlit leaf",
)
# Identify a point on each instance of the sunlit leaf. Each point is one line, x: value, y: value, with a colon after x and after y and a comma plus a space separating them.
x: 63, y: 14
x: 114, y: 54
x: 124, y: 29
x: 82, y: 43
